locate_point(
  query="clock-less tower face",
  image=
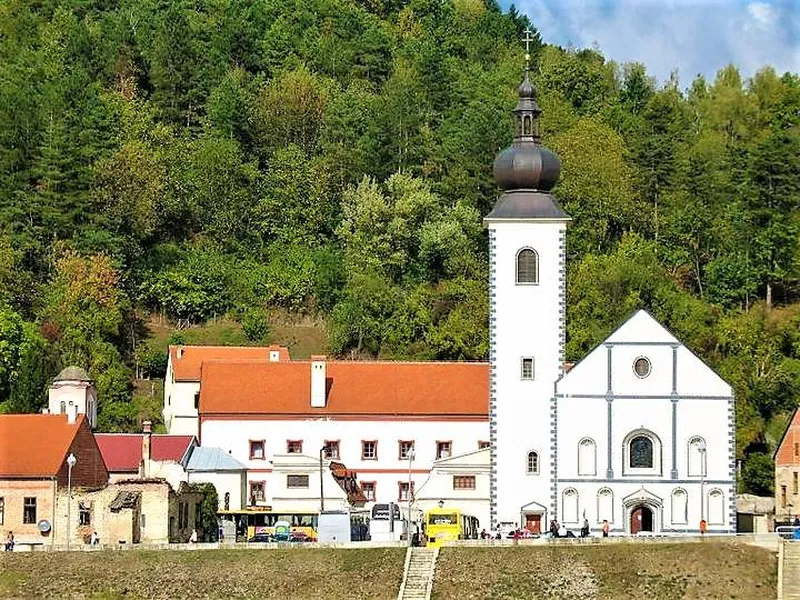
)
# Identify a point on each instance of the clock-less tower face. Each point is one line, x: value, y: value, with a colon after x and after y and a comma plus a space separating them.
x: 527, y: 230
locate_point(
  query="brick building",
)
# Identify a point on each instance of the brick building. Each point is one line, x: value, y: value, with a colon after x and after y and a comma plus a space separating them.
x: 787, y: 472
x: 34, y: 472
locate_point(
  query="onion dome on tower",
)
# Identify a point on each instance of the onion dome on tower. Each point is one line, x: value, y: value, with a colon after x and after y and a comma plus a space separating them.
x: 527, y: 171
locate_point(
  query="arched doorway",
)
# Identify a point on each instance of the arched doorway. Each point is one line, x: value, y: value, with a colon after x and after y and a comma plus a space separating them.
x: 641, y: 519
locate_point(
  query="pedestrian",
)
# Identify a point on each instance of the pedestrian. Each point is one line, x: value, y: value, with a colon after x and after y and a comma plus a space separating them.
x: 703, y: 526
x: 605, y: 527
x: 516, y: 536
x: 10, y: 541
x: 193, y: 537
x: 484, y: 535
x: 95, y: 539
x: 562, y: 531
x: 585, y: 528
x: 553, y: 528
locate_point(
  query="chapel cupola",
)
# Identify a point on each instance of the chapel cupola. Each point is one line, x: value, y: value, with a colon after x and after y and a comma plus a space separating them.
x: 526, y: 171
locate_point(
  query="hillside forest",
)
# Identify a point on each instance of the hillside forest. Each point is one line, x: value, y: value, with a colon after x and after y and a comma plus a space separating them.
x: 329, y: 161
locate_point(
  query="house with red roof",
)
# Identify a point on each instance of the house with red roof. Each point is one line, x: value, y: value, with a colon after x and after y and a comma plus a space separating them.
x: 34, y: 472
x: 787, y: 471
x: 385, y: 422
x: 182, y: 379
x: 147, y: 455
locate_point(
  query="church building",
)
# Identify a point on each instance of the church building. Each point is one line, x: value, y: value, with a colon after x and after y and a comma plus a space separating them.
x: 640, y: 433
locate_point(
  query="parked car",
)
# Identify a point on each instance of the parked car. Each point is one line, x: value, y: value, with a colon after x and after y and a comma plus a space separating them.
x: 261, y: 537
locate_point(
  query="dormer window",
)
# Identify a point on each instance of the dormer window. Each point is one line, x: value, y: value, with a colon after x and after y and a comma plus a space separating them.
x: 527, y: 266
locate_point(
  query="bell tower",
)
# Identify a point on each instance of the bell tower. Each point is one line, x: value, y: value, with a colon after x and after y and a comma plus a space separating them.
x: 527, y: 247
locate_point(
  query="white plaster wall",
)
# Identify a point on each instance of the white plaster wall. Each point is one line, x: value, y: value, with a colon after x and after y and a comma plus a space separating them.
x: 527, y: 323
x: 180, y: 415
x: 173, y: 472
x: 80, y: 394
x: 702, y: 408
x: 472, y: 502
x: 587, y: 504
x: 387, y: 471
x: 580, y: 418
x: 232, y: 482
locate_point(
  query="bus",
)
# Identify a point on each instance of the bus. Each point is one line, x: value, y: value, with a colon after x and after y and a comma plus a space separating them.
x: 303, y: 525
x: 444, y: 524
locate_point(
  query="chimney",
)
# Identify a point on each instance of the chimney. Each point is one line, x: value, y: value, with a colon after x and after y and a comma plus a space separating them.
x: 147, y: 434
x: 318, y: 382
x: 179, y: 352
x: 72, y: 413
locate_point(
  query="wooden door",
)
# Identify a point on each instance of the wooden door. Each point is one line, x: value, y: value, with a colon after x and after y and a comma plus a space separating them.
x: 533, y: 523
x: 636, y: 520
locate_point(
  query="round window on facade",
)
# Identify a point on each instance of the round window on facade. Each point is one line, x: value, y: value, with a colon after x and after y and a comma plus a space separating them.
x: 641, y: 366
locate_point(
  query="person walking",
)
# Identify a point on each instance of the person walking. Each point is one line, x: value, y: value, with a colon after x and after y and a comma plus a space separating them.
x: 10, y: 541
x: 605, y: 528
x: 193, y: 537
x: 585, y: 529
x: 703, y: 526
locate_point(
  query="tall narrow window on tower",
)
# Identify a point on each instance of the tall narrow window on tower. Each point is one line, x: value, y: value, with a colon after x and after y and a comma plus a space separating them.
x: 527, y: 266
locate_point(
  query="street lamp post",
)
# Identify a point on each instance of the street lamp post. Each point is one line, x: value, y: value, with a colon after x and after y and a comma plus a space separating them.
x: 411, y: 455
x: 71, y: 460
x: 321, y: 490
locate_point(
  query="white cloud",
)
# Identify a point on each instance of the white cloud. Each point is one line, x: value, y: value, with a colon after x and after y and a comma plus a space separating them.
x: 763, y: 13
x: 692, y: 36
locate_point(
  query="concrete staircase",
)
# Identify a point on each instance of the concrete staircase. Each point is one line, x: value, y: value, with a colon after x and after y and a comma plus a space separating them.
x: 789, y: 571
x: 418, y: 575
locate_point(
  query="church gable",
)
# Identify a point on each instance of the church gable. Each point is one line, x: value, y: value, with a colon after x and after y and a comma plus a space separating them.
x: 642, y: 359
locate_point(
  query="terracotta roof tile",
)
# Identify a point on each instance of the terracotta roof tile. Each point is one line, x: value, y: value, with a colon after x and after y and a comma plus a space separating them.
x: 187, y: 367
x: 354, y: 388
x: 122, y: 452
x: 35, y: 445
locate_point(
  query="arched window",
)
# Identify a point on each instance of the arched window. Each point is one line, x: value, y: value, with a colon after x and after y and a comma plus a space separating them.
x: 527, y: 266
x: 526, y: 125
x: 62, y: 407
x: 716, y: 507
x: 680, y: 503
x: 641, y: 453
x: 696, y: 462
x: 533, y: 463
x: 605, y: 505
x: 227, y: 501
x: 569, y: 509
x: 587, y: 457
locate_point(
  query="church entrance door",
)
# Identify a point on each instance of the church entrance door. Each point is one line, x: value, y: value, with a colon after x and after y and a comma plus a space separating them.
x: 533, y: 523
x: 641, y: 519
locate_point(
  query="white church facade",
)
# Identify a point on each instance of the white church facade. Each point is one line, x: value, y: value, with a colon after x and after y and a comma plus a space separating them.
x: 640, y: 433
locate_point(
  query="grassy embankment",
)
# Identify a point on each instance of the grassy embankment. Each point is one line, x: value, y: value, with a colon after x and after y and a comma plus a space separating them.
x: 295, y: 573
x: 608, y: 571
x: 602, y: 571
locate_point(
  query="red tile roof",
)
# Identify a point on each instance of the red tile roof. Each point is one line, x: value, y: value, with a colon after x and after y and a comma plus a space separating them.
x: 35, y: 445
x: 354, y: 388
x: 187, y: 367
x: 122, y: 452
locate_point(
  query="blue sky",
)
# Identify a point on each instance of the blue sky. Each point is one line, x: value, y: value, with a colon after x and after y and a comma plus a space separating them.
x: 692, y: 36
